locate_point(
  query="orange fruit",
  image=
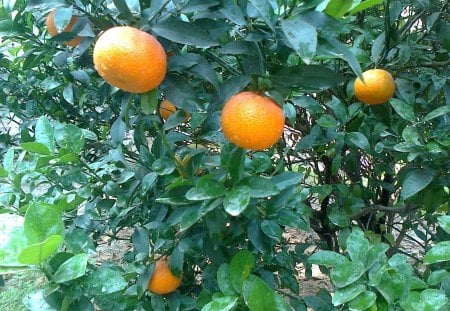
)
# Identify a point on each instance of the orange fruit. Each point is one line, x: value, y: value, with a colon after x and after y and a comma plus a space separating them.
x: 51, y: 28
x: 252, y: 121
x: 130, y: 59
x: 377, y: 88
x: 162, y: 280
x: 166, y: 109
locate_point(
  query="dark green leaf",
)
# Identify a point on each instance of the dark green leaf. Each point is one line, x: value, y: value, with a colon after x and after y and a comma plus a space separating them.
x: 342, y: 51
x: 223, y: 280
x: 260, y: 187
x: 265, y: 11
x: 301, y: 36
x: 71, y: 269
x: 311, y: 77
x: 271, y: 229
x: 404, y: 110
x: 416, y: 181
x: 149, y: 101
x: 436, y: 113
x: 163, y: 166
x: 287, y: 179
x: 233, y: 12
x: 118, y: 130
x: 69, y: 137
x: 184, y: 33
x: 444, y: 222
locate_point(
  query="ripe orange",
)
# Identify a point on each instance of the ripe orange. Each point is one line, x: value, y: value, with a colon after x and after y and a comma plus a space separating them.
x: 166, y: 109
x: 162, y: 280
x: 252, y: 121
x: 51, y: 28
x: 377, y: 88
x: 130, y: 59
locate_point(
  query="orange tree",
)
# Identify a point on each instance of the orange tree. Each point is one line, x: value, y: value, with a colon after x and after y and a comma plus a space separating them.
x: 84, y: 161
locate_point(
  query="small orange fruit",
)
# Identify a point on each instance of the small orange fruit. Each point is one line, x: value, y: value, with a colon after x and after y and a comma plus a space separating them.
x: 166, y: 109
x: 252, y: 121
x: 377, y: 88
x: 130, y: 59
x: 51, y: 28
x: 162, y: 280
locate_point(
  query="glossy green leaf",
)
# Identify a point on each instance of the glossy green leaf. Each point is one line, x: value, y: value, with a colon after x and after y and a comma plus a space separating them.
x: 226, y: 303
x: 366, y: 4
x: 301, y: 36
x: 271, y: 229
x: 265, y: 10
x: 104, y: 281
x: 42, y: 221
x: 237, y: 200
x: 347, y: 273
x: 346, y: 294
x: 440, y: 111
x: 358, y: 139
x: 415, y: 181
x: 36, y: 254
x: 343, y: 51
x: 118, y: 129
x: 69, y: 137
x: 327, y: 258
x: 357, y: 246
x: 44, y: 133
x: 438, y: 253
x: 241, y: 266
x: 311, y: 77
x: 363, y: 301
x: 444, y: 222
x: 260, y: 187
x: 206, y: 189
x: 71, y: 269
x: 437, y: 277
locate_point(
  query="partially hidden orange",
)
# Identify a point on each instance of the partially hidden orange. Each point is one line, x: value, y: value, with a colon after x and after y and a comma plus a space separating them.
x: 130, y: 59
x: 378, y: 87
x: 51, y: 28
x: 166, y: 109
x: 252, y: 121
x: 162, y: 280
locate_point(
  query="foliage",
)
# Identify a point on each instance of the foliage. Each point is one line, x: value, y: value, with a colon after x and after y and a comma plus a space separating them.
x: 90, y: 162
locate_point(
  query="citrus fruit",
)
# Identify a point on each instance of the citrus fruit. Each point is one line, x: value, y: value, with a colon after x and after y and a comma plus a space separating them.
x: 166, y: 109
x: 252, y: 121
x: 162, y: 280
x: 130, y: 59
x: 51, y: 28
x: 377, y: 88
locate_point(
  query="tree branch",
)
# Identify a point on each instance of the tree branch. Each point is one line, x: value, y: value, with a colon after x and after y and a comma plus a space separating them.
x: 380, y: 208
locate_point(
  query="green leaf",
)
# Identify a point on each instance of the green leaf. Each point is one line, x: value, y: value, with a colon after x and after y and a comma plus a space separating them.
x: 444, y: 222
x: 434, y: 299
x: 328, y: 259
x: 206, y: 189
x: 176, y: 261
x: 309, y: 77
x: 34, y: 147
x: 347, y: 273
x: 41, y: 221
x: 359, y: 140
x: 436, y: 113
x: 376, y: 253
x: 338, y: 8
x: 35, y: 301
x: 437, y: 277
x: 104, y: 281
x: 226, y: 303
x: 71, y: 269
x: 271, y: 229
x: 3, y: 172
x: 416, y: 181
x: 365, y: 5
x: 69, y: 137
x: 363, y: 301
x: 343, y: 295
x: 12, y: 240
x: 233, y: 12
x: 149, y: 101
x: 287, y: 179
x: 36, y: 254
x: 232, y: 158
x: 237, y: 200
x: 118, y: 130
x: 301, y: 36
x: 265, y: 11
x: 260, y: 187
x: 438, y: 253
x: 258, y: 296
x: 223, y: 280
x: 184, y: 33
x: 163, y: 166
x: 342, y: 51
x: 357, y: 246
x: 44, y: 134
x: 241, y: 266
x: 404, y: 110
